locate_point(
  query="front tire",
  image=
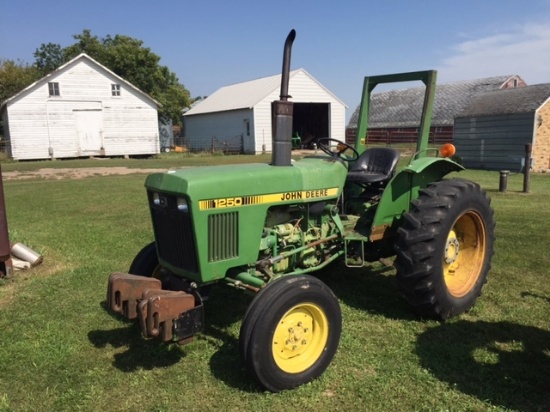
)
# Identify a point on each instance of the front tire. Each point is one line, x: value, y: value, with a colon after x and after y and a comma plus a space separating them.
x: 445, y: 247
x: 146, y: 262
x: 290, y: 332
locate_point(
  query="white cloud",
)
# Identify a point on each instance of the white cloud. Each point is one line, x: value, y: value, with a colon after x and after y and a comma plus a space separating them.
x: 523, y: 50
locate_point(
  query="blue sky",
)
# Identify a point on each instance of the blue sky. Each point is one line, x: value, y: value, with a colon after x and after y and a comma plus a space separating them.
x: 210, y: 44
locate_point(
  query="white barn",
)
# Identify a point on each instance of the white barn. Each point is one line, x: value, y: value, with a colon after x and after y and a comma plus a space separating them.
x: 243, y: 111
x: 80, y: 109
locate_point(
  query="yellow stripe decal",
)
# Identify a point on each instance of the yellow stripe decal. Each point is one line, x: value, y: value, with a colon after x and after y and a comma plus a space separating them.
x: 304, y: 195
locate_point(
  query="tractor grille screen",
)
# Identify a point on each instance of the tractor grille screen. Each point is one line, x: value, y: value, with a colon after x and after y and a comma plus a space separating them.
x: 223, y: 239
x: 173, y: 232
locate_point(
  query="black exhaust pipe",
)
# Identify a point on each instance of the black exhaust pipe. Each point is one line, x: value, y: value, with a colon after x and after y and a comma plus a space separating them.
x: 281, y: 113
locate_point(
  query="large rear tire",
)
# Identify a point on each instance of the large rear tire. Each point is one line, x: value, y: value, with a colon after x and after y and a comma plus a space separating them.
x: 444, y: 248
x: 290, y: 332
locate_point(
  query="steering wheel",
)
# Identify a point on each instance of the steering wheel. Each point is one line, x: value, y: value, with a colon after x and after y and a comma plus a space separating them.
x: 341, y: 147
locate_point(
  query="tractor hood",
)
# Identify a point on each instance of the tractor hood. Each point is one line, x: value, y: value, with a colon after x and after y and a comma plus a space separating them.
x: 312, y: 175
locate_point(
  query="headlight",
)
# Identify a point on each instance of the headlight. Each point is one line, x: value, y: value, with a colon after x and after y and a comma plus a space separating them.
x: 156, y: 199
x: 182, y: 205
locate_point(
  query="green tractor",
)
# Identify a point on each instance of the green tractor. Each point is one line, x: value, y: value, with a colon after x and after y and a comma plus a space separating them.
x: 264, y: 228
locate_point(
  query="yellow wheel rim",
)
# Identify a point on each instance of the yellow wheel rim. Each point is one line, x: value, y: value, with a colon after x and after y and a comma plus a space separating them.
x: 464, y: 254
x: 300, y: 338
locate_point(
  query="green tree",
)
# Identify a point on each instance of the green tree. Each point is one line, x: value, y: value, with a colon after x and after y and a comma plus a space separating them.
x: 48, y: 57
x: 128, y: 58
x: 15, y: 76
x: 93, y: 46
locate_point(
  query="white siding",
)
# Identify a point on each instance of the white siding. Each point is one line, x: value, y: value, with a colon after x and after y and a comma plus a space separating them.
x: 262, y: 123
x: 6, y: 140
x: 37, y: 122
x: 302, y: 87
x: 201, y: 129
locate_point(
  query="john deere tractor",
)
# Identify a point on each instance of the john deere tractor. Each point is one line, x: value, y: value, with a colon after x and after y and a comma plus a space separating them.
x: 265, y: 228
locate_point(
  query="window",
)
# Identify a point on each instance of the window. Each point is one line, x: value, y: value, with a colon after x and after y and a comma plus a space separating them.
x: 115, y: 89
x: 53, y: 88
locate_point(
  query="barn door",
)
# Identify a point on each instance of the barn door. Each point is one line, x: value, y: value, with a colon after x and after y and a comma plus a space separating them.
x: 247, y: 142
x: 88, y: 126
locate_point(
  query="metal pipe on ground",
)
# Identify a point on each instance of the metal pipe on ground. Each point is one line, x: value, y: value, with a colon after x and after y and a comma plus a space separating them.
x: 503, y: 182
x: 22, y: 252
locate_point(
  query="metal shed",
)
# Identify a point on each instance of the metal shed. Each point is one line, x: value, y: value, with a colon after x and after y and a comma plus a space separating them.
x: 491, y: 133
x: 80, y: 109
x: 242, y: 113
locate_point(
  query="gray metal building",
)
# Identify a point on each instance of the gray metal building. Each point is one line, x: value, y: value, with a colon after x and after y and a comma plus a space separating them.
x: 492, y: 131
x: 395, y: 114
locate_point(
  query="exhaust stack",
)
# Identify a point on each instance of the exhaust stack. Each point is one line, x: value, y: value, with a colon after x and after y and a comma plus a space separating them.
x: 281, y: 113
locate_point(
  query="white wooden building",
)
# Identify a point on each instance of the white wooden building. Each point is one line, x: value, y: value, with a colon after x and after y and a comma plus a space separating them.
x: 243, y: 111
x: 80, y: 109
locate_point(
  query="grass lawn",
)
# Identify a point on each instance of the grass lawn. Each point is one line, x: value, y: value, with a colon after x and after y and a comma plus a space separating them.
x: 61, y: 351
x: 161, y: 161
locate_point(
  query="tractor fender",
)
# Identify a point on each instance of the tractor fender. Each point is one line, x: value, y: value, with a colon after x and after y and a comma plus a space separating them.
x: 440, y: 165
x: 404, y: 188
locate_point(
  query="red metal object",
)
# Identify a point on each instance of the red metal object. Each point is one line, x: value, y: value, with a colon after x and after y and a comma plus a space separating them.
x: 159, y: 309
x: 124, y: 291
x: 167, y: 314
x: 6, y: 265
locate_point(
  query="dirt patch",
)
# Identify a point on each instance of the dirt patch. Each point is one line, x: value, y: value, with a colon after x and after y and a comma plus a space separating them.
x: 50, y: 173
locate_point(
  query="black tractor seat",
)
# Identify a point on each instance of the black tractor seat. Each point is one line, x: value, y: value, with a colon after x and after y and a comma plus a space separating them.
x: 374, y: 166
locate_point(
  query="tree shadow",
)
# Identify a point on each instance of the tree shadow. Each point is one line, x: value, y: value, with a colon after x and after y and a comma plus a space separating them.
x: 503, y: 363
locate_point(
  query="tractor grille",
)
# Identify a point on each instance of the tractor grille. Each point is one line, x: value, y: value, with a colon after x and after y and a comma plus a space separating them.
x: 174, y: 233
x: 223, y: 236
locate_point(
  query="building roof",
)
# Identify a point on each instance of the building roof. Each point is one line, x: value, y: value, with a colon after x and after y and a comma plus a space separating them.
x: 510, y: 101
x: 81, y: 56
x: 403, y: 108
x: 245, y: 95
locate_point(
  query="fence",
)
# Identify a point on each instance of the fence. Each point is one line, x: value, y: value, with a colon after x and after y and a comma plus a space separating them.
x: 4, y: 148
x: 390, y: 136
x: 231, y: 145
x: 226, y: 145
